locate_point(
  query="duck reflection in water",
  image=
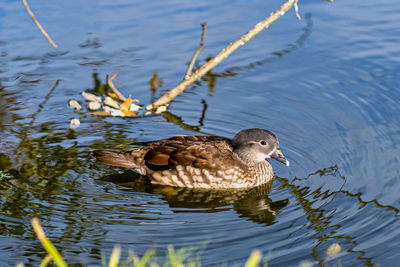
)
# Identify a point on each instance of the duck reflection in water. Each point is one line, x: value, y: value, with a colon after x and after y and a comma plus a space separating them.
x: 253, y: 203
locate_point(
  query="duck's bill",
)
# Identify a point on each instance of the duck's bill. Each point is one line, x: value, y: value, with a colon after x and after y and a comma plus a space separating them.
x: 277, y: 155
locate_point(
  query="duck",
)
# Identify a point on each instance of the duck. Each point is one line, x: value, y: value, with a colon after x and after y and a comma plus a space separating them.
x: 209, y: 162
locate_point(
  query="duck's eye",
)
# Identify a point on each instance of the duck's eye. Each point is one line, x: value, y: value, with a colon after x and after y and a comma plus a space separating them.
x: 263, y: 143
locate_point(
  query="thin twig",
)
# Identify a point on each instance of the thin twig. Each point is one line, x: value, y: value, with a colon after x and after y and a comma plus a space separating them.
x: 113, y: 88
x: 167, y: 97
x: 38, y: 24
x: 41, y: 105
x: 296, y: 8
x: 197, y: 52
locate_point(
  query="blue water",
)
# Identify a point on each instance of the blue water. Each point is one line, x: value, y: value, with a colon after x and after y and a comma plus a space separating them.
x: 327, y: 86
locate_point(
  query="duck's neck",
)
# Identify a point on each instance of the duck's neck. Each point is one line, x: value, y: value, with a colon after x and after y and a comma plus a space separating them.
x: 247, y: 158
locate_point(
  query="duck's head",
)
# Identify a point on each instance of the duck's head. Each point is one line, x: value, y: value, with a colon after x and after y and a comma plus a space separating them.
x: 255, y: 145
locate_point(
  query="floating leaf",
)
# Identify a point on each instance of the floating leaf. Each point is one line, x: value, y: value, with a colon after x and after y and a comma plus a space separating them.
x: 94, y: 105
x: 117, y: 113
x: 129, y: 113
x: 134, y: 107
x: 333, y: 250
x: 74, y: 124
x: 100, y: 113
x: 74, y: 104
x: 127, y: 104
x: 107, y: 109
x: 113, y: 111
x: 91, y: 97
x: 111, y: 102
x: 113, y: 95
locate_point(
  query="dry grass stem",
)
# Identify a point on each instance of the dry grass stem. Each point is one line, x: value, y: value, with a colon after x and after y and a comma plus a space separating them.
x: 170, y: 95
x: 113, y: 88
x: 46, y: 243
x: 38, y: 229
x: 38, y: 24
x: 197, y: 52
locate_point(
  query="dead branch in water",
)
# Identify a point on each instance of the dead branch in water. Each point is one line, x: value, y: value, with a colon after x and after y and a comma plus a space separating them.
x: 113, y: 88
x: 38, y: 24
x: 197, y: 52
x: 170, y: 95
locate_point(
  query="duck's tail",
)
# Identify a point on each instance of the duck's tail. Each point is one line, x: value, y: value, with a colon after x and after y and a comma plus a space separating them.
x: 115, y: 158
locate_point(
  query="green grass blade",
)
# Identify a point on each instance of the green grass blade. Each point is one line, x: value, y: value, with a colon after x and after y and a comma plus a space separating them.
x: 267, y: 258
x: 114, y: 258
x: 145, y: 258
x: 254, y: 259
x: 45, y: 261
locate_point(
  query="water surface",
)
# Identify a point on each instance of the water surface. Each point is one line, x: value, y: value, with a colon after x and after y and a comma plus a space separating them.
x: 327, y: 86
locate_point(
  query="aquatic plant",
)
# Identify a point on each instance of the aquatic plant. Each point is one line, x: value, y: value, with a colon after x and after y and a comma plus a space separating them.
x: 174, y: 258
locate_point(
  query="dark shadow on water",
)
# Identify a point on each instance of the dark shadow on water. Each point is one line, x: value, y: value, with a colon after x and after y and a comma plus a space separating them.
x: 253, y: 203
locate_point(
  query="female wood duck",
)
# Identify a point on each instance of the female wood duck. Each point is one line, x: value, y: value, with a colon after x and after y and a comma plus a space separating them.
x: 202, y: 161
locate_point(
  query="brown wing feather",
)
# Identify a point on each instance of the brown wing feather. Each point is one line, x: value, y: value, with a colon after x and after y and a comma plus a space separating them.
x: 159, y: 155
x: 215, y: 155
x: 198, y: 151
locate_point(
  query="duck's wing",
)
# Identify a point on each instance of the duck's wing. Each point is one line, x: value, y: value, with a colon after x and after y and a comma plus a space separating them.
x: 205, y: 152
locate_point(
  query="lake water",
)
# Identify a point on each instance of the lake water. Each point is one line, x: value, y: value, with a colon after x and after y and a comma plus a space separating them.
x: 328, y: 86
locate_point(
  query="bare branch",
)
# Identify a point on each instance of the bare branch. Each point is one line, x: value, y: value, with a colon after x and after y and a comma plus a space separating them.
x: 197, y: 52
x: 38, y: 24
x: 113, y: 88
x: 167, y: 97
